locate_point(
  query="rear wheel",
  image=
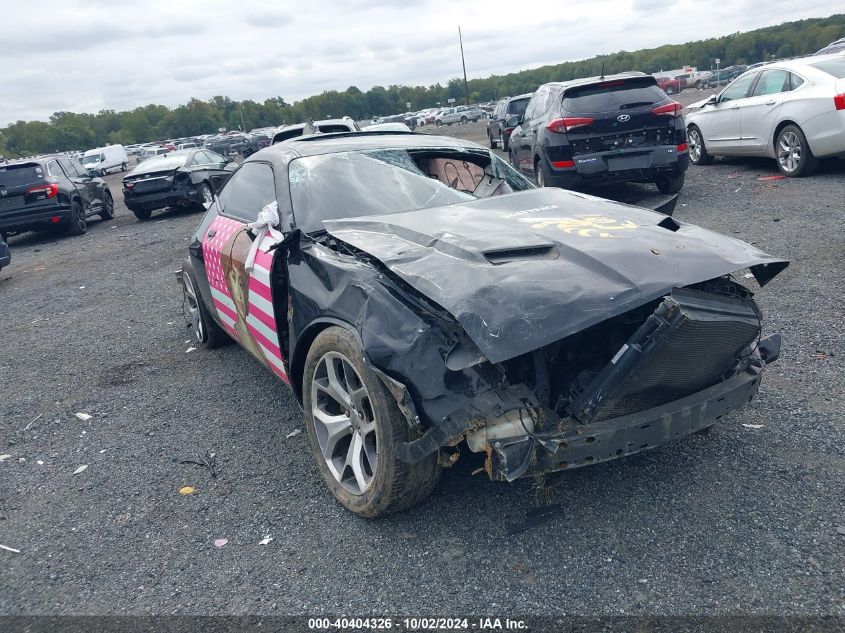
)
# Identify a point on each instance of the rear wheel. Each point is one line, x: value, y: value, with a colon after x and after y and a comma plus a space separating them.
x: 142, y: 214
x: 539, y: 173
x: 463, y: 120
x: 205, y: 329
x: 504, y: 141
x: 493, y: 142
x: 794, y: 156
x: 108, y: 206
x: 78, y: 224
x: 124, y: 166
x: 697, y: 151
x: 355, y: 426
x: 671, y: 183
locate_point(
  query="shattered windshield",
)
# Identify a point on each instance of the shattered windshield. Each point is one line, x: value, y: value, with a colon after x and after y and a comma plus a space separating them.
x: 381, y: 182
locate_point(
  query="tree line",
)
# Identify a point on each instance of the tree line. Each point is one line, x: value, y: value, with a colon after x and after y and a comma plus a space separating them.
x: 73, y: 131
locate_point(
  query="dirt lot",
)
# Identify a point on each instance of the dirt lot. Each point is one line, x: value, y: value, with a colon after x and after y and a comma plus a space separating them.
x: 744, y: 520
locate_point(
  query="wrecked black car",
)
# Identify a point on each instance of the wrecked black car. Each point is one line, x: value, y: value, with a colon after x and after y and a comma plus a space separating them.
x: 182, y: 178
x: 416, y: 292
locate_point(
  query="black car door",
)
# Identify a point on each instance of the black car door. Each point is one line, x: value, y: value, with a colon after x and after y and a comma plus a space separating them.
x: 522, y: 139
x: 84, y: 183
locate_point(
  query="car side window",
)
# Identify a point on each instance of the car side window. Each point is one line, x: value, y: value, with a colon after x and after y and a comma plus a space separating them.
x: 772, y: 82
x: 201, y: 158
x: 249, y: 190
x: 54, y: 170
x: 795, y: 81
x: 531, y: 109
x: 739, y: 88
x: 80, y: 170
x: 214, y: 158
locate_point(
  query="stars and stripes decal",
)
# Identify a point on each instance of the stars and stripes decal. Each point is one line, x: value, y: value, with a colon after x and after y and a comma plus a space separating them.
x: 254, y: 325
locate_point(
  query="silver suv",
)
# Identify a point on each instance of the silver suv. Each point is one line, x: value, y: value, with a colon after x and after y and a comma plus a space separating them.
x: 460, y: 114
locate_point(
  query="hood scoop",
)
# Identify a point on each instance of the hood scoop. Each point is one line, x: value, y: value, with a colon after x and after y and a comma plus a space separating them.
x: 525, y: 253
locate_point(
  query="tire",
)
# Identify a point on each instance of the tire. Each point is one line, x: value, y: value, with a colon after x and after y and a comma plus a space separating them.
x: 540, y: 176
x: 205, y: 194
x: 670, y: 184
x: 78, y: 225
x: 108, y: 206
x: 697, y: 150
x: 439, y: 123
x: 383, y: 484
x: 699, y: 84
x: 142, y: 214
x: 493, y: 142
x: 207, y: 333
x: 123, y: 167
x: 503, y: 141
x: 463, y: 120
x: 794, y: 157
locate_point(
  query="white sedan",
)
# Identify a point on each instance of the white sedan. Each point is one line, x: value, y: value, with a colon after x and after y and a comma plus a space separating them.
x: 792, y: 111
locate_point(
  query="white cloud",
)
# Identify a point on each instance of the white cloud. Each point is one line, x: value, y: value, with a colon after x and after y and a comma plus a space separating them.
x: 88, y: 55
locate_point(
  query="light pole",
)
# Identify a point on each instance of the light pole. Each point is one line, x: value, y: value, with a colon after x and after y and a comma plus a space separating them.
x: 463, y: 63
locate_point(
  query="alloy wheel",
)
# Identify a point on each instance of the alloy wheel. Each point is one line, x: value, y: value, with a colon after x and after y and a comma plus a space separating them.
x: 79, y: 218
x: 789, y: 151
x: 207, y: 197
x: 192, y: 304
x: 344, y: 423
x: 694, y: 145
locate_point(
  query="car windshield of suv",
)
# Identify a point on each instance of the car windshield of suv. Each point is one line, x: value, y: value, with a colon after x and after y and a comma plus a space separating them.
x: 517, y: 106
x: 835, y: 67
x: 20, y: 175
x: 613, y: 95
x: 381, y: 182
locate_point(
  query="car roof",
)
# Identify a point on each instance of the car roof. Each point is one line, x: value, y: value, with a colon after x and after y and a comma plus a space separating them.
x: 598, y: 78
x: 356, y: 141
x: 526, y: 95
x: 803, y: 64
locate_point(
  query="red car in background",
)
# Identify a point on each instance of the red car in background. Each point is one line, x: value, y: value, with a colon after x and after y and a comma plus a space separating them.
x: 670, y: 86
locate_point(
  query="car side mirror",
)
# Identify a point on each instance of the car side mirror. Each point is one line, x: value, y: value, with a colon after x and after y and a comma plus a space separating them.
x: 514, y: 120
x: 713, y: 100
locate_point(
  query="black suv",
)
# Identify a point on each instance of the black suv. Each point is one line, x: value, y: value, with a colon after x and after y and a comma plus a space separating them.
x: 50, y: 191
x: 615, y: 128
x: 498, y: 130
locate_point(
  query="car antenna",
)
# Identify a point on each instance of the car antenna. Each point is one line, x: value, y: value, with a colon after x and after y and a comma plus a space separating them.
x: 602, y: 70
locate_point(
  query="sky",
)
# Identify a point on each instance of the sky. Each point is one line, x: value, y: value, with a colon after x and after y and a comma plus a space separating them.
x: 89, y: 55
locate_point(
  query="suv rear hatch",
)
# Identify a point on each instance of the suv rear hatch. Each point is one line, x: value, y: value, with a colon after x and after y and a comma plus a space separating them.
x: 620, y: 114
x: 22, y: 184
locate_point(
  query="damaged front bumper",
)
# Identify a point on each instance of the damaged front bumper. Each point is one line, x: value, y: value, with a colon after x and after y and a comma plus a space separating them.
x: 583, y: 445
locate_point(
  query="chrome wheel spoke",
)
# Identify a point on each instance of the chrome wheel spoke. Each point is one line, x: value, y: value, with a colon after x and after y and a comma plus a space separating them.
x: 343, y: 423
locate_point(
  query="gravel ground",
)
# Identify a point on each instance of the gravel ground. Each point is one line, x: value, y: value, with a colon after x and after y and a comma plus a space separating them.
x: 742, y: 521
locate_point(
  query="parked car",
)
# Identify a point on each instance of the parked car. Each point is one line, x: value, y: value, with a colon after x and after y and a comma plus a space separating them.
x: 5, y: 253
x: 183, y: 178
x: 725, y: 76
x: 670, y: 85
x: 327, y: 126
x: 151, y: 152
x: 498, y: 131
x: 107, y: 159
x: 792, y: 111
x: 387, y: 127
x: 51, y: 192
x: 460, y: 114
x: 834, y: 47
x: 377, y: 285
x: 613, y: 128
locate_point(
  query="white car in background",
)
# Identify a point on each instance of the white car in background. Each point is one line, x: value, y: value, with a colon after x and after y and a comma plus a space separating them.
x: 792, y: 111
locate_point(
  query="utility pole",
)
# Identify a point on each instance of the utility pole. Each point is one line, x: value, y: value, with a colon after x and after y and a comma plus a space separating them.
x: 464, y: 64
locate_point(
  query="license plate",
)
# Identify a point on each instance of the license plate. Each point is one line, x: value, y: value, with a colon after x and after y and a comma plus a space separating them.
x: 637, y: 161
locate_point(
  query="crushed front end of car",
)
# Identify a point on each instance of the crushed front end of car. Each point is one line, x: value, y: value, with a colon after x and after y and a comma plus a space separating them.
x: 550, y: 330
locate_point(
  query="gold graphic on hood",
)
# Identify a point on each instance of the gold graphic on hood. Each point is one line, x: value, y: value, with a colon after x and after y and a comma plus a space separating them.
x: 586, y: 226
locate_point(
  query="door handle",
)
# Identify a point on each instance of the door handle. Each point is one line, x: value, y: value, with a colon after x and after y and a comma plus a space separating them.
x: 212, y: 233
x: 771, y: 102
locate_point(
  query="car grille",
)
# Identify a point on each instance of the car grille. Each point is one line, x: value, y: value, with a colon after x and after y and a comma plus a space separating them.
x: 690, y: 342
x: 605, y: 143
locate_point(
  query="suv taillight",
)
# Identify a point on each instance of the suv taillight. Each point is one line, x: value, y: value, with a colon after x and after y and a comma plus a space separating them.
x: 839, y: 101
x: 49, y: 190
x: 671, y: 109
x: 561, y: 126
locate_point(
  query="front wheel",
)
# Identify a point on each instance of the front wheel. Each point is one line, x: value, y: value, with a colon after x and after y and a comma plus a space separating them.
x: 78, y: 225
x: 794, y: 156
x: 697, y: 151
x: 670, y: 184
x: 205, y: 195
x: 463, y: 120
x: 493, y: 142
x: 108, y: 206
x: 354, y: 426
x: 142, y: 214
x: 205, y: 329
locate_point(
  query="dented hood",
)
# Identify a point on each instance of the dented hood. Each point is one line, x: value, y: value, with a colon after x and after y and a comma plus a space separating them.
x: 523, y: 270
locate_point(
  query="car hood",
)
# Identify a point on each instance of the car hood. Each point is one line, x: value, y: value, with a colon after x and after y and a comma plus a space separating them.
x: 697, y: 104
x: 523, y: 270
